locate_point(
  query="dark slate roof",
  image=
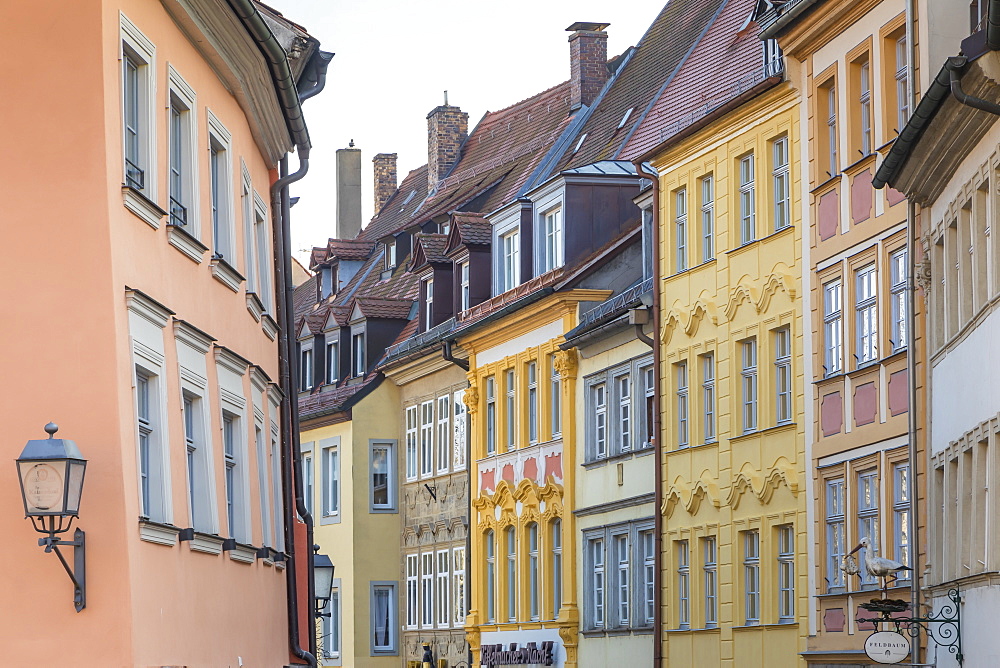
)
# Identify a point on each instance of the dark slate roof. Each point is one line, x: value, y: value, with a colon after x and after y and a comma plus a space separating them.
x: 614, y: 307
x: 725, y: 65
x: 604, y: 168
x: 660, y: 51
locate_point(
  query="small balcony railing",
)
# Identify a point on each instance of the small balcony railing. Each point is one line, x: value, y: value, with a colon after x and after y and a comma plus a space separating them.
x: 178, y: 213
x: 135, y: 177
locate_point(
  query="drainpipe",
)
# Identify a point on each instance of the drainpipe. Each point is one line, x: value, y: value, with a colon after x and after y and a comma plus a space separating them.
x: 657, y: 450
x: 322, y: 62
x: 955, y: 65
x: 446, y: 354
x: 291, y: 461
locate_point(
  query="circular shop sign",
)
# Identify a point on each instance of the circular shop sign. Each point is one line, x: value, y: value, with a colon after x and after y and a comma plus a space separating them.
x: 887, y: 647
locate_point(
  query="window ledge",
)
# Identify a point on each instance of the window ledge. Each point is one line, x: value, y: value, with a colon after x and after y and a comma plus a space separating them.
x: 226, y: 274
x: 142, y: 206
x: 245, y: 554
x: 621, y: 456
x: 269, y: 326
x: 186, y: 243
x: 207, y: 543
x: 788, y: 426
x: 329, y: 519
x: 156, y: 532
x: 254, y: 306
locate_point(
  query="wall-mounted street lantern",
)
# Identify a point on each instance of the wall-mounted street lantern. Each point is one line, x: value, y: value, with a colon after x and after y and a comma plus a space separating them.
x: 51, y: 473
x: 323, y: 581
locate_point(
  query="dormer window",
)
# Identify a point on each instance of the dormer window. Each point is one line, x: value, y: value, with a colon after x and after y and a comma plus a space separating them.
x: 445, y: 227
x: 551, y: 240
x: 326, y: 282
x: 358, y: 356
x: 390, y: 254
x: 332, y: 363
x: 306, y: 367
x: 428, y: 290
x: 466, y: 296
x: 510, y: 260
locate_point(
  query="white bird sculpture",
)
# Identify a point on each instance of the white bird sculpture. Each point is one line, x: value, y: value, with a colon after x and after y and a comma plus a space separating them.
x: 879, y: 567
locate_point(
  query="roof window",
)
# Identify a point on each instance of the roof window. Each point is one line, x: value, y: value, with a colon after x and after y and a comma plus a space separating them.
x: 625, y: 118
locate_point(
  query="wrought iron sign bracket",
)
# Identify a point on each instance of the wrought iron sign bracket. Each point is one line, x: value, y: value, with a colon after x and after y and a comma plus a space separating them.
x: 78, y: 573
x: 943, y: 627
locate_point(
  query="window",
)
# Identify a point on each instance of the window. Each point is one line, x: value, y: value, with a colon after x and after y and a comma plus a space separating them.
x: 648, y: 569
x: 426, y: 439
x: 151, y: 483
x: 230, y: 427
x: 412, y: 456
x: 836, y: 537
x: 533, y: 570
x: 491, y: 577
x: 647, y: 243
x: 897, y: 273
x: 786, y: 574
x: 624, y: 394
x: 681, y: 374
x: 412, y: 590
x: 443, y: 433
x: 866, y: 308
x: 868, y: 519
x: 552, y: 245
x: 459, y: 431
x: 511, y: 538
x: 246, y: 210
x: 773, y: 62
x: 597, y: 583
x: 307, y: 480
x: 383, y: 495
x: 649, y: 401
x: 383, y: 607
x: 555, y: 406
x: 901, y: 517
x: 708, y: 397
x: 358, y: 345
x: 749, y: 384
x: 192, y: 441
x: 331, y: 481
x: 428, y: 291
x: 828, y: 94
x: 427, y: 590
x: 221, y: 191
x: 491, y: 416
x: 463, y: 273
x: 680, y: 229
x: 833, y: 328
x: 780, y: 181
x: 306, y: 372
x: 511, y: 409
x: 332, y: 363
x: 441, y: 589
x: 707, y: 218
x: 277, y: 497
x: 458, y: 586
x: 331, y: 625
x: 599, y: 394
x: 263, y: 484
x: 556, y: 567
x: 783, y: 375
x: 262, y: 284
x: 532, y: 402
x: 747, y: 214
x: 683, y: 584
x: 622, y: 578
x: 711, y: 575
x: 865, y: 105
x: 902, y: 83
x: 390, y: 254
x: 510, y: 269
x: 137, y: 54
x: 181, y: 179
x: 751, y: 576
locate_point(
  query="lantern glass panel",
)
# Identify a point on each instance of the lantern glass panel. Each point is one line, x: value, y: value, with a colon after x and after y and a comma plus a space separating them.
x: 74, y: 490
x: 43, y: 486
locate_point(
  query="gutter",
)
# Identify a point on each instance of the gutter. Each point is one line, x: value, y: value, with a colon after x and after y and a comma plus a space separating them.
x: 955, y: 65
x: 773, y: 30
x: 657, y: 449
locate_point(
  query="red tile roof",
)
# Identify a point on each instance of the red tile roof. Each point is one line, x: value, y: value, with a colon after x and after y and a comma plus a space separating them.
x: 428, y: 249
x: 468, y: 229
x: 341, y: 249
x: 396, y: 309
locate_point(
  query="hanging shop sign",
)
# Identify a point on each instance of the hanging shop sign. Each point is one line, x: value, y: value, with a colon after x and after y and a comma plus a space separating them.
x: 887, y: 647
x: 528, y: 655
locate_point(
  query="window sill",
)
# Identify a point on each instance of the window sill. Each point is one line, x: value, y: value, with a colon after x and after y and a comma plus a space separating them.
x: 767, y: 237
x: 269, y: 326
x: 711, y: 260
x: 186, y: 243
x: 157, y: 532
x: 206, y: 543
x: 245, y: 554
x: 254, y: 306
x: 329, y: 519
x: 621, y: 456
x: 856, y: 592
x: 226, y: 274
x: 788, y: 426
x: 709, y: 629
x: 142, y: 206
x: 824, y: 184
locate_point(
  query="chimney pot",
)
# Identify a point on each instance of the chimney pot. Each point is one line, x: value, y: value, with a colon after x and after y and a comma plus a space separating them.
x: 588, y: 61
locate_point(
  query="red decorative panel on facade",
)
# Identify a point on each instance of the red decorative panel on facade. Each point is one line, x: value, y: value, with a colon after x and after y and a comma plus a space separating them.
x: 861, y: 197
x: 531, y: 469
x: 553, y: 466
x: 507, y: 473
x: 831, y: 410
x: 865, y: 404
x: 899, y: 393
x: 893, y: 196
x: 834, y: 620
x: 829, y: 215
x: 486, y: 481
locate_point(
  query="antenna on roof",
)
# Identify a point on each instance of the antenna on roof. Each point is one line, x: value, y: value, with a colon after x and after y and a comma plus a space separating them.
x: 446, y: 98
x: 351, y: 145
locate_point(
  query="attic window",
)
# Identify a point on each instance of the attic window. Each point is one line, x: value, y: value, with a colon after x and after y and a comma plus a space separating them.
x: 579, y: 143
x: 624, y: 119
x: 408, y: 198
x: 390, y: 254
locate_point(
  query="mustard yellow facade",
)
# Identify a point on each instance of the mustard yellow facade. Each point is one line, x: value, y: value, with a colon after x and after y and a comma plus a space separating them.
x: 523, y: 477
x: 734, y: 504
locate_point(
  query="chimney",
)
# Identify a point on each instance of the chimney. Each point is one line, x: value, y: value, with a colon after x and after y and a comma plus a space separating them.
x: 348, y: 192
x: 385, y: 178
x: 447, y: 128
x: 588, y: 62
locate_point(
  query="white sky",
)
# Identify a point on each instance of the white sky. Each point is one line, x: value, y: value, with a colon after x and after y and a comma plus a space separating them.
x: 396, y: 57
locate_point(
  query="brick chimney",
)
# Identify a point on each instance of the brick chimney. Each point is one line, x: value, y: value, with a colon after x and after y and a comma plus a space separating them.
x: 385, y: 178
x: 348, y: 192
x: 588, y: 62
x: 447, y: 128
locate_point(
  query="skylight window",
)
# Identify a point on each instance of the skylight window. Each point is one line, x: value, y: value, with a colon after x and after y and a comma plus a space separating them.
x: 579, y: 143
x: 407, y: 200
x: 625, y: 118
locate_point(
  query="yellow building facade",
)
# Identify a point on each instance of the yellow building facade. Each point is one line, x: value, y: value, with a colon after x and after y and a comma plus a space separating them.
x: 734, y: 505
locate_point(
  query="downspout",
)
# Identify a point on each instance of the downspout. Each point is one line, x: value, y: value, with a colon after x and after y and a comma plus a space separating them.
x: 291, y: 461
x: 955, y: 65
x: 657, y: 450
x: 446, y: 354
x: 322, y: 62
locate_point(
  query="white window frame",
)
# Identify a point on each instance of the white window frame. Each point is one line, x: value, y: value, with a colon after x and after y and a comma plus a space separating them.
x: 154, y: 490
x: 555, y: 398
x: 412, y: 591
x: 491, y: 416
x: 748, y: 215
x: 458, y: 587
x: 358, y: 354
x: 751, y: 577
x: 836, y: 534
x: 332, y: 361
x: 833, y: 327
x: 598, y: 588
x: 902, y: 83
x: 534, y: 603
x: 509, y: 270
x: 555, y: 529
x: 220, y: 143
x: 427, y: 590
x: 622, y: 552
x: 389, y: 446
x: 786, y: 574
x: 901, y: 517
x: 465, y: 295
x: 427, y: 438
x: 865, y: 102
x: 708, y: 429
x: 868, y: 520
x: 831, y: 128
x: 866, y: 315
x: 331, y: 478
x: 532, y: 378
x: 387, y: 644
x: 648, y: 542
x: 442, y: 607
x: 510, y: 408
x: 783, y: 375
x: 411, y: 417
x: 682, y: 549
x: 234, y: 474
x: 428, y: 306
x: 680, y: 229
x: 710, y: 570
x: 307, y: 365
x: 460, y: 431
x: 135, y: 46
x: 443, y: 442
x: 707, y: 218
x: 510, y: 540
x: 897, y: 291
x: 599, y: 408
x: 247, y: 213
x: 308, y: 476
x: 263, y: 477
x: 781, y: 182
x: 201, y: 506
x: 183, y: 167
x: 647, y: 374
x: 390, y: 254
x: 262, y: 253
x: 623, y: 394
x: 277, y: 489
x: 550, y: 240
x: 682, y: 404
x: 490, y: 540
x: 748, y: 349
x: 332, y: 626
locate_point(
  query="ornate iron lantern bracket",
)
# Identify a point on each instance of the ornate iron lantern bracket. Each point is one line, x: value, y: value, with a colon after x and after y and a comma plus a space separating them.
x: 944, y: 627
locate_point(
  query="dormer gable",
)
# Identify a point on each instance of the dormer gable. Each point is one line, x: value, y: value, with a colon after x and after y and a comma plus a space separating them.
x: 434, y: 270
